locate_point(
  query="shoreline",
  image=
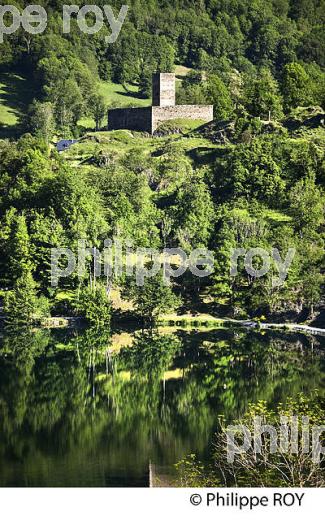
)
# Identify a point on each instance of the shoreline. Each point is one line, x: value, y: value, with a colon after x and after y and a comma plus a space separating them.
x: 201, y: 320
x: 188, y: 320
x: 207, y: 320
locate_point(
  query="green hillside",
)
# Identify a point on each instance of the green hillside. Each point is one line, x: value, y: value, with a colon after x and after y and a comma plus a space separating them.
x: 116, y: 95
x: 16, y: 92
x: 252, y: 178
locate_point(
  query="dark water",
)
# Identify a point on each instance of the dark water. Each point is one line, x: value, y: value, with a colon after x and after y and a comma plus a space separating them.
x: 86, y: 409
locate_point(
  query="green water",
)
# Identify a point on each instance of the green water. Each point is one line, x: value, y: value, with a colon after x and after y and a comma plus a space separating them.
x: 88, y: 409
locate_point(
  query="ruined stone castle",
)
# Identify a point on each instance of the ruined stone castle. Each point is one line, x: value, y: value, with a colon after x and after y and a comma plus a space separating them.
x: 163, y: 108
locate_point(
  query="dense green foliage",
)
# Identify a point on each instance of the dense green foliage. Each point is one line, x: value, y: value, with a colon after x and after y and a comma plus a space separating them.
x: 252, y: 179
x: 261, y: 185
x: 268, y: 51
x: 152, y: 299
x: 283, y: 467
x: 93, y: 304
x: 265, y: 193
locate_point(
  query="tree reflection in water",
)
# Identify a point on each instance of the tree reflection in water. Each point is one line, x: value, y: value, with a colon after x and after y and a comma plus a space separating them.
x: 76, y: 410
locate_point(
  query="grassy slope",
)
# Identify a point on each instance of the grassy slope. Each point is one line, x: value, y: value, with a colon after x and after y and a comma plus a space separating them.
x: 16, y: 93
x: 115, y: 95
x: 120, y: 142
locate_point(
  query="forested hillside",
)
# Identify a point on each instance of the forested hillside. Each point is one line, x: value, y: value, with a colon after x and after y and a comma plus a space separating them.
x: 252, y: 179
x: 259, y: 55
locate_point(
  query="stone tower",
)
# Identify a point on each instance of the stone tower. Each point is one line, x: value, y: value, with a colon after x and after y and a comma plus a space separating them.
x: 163, y: 90
x: 164, y: 108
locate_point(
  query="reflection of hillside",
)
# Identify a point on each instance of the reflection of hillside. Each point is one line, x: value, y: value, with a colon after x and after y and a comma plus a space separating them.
x: 90, y: 409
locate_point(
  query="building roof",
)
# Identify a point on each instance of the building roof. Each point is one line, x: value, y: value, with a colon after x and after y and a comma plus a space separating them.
x: 64, y: 144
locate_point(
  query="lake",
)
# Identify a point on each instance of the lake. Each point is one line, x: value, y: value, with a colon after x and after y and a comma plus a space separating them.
x: 90, y: 408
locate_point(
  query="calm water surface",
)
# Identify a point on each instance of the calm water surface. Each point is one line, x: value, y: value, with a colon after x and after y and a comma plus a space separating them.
x: 83, y: 408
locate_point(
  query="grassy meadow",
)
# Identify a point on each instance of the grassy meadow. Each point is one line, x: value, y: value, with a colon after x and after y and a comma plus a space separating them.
x: 17, y: 92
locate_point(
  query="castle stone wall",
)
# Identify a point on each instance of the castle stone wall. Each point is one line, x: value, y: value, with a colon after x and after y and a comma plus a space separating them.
x: 138, y: 119
x: 163, y: 90
x: 163, y: 109
x: 149, y: 118
x: 161, y: 114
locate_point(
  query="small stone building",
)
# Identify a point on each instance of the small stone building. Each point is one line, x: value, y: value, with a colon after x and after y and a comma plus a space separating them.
x: 163, y: 109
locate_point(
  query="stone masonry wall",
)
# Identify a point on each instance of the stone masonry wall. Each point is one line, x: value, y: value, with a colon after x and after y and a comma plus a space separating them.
x: 163, y: 90
x: 161, y: 114
x: 138, y: 119
x: 148, y: 119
